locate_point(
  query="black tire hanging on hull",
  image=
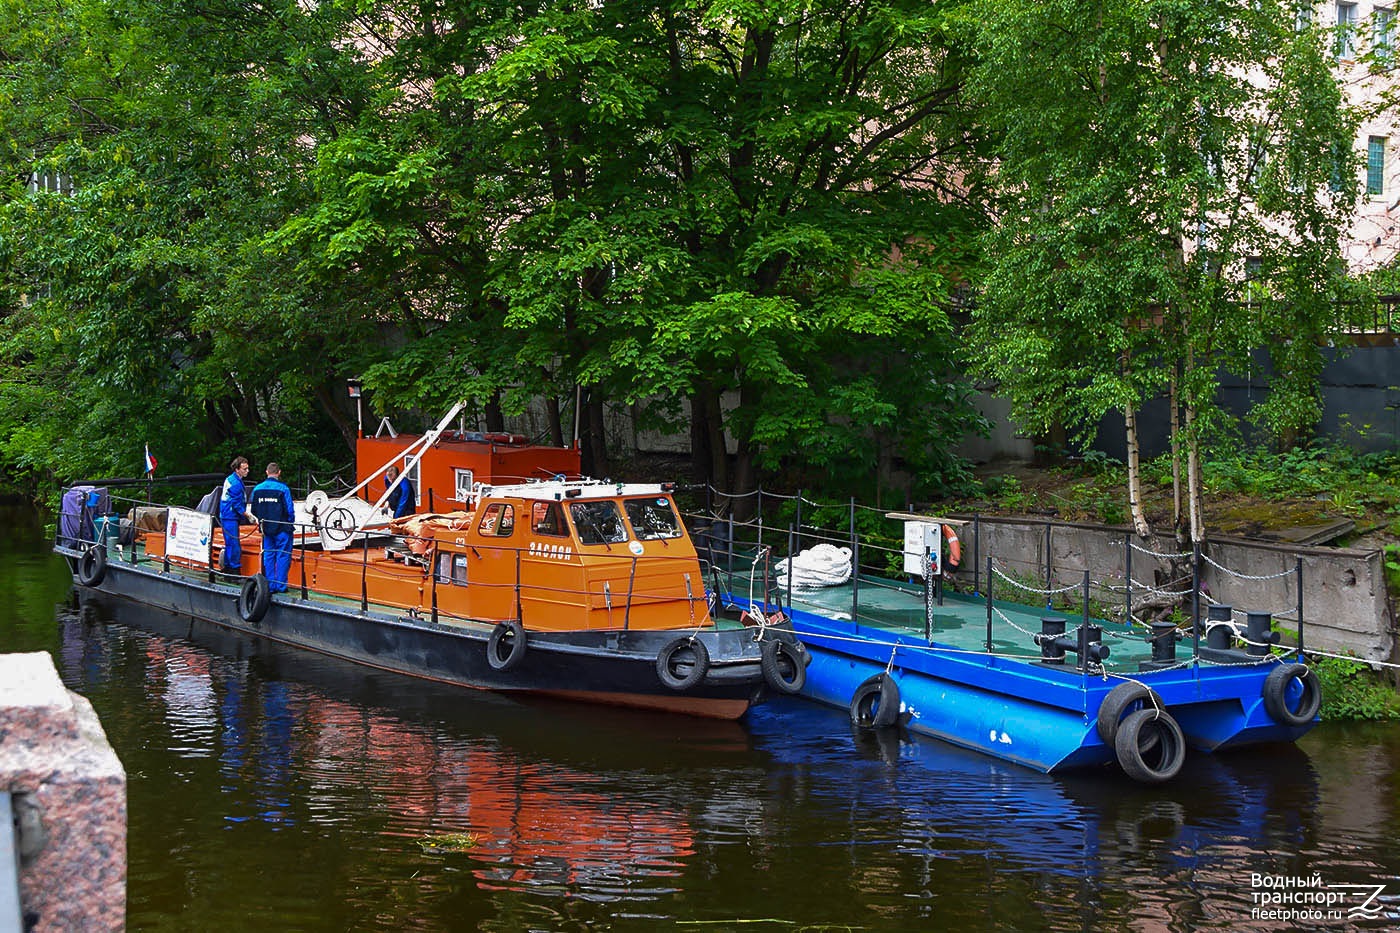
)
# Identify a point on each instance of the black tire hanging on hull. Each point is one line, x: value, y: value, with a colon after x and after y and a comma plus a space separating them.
x: 254, y: 599
x: 683, y: 663
x: 1120, y: 700
x: 92, y: 566
x: 1150, y: 746
x: 784, y: 667
x: 1276, y: 694
x: 511, y: 635
x: 875, y: 704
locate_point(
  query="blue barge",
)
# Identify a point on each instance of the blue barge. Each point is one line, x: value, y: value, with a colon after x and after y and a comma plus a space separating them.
x: 1030, y: 686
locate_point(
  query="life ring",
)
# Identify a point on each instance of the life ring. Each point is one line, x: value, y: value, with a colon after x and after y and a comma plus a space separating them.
x: 92, y: 566
x: 512, y: 634
x: 950, y: 537
x: 254, y: 599
x: 784, y: 667
x: 1149, y: 746
x: 1276, y: 694
x: 875, y: 704
x: 683, y: 663
x: 1119, y: 700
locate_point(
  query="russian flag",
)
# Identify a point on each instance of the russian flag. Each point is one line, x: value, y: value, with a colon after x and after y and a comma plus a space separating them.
x: 150, y: 461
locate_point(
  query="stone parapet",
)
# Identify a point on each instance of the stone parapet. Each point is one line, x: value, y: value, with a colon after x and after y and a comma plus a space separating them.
x: 69, y: 793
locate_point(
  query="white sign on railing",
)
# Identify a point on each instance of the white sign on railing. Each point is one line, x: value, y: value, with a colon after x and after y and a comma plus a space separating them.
x: 187, y: 534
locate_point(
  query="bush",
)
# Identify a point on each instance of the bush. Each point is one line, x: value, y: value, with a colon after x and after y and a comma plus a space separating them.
x: 1352, y: 691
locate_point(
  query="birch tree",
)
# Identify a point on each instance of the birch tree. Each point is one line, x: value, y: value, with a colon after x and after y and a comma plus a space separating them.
x: 1153, y: 156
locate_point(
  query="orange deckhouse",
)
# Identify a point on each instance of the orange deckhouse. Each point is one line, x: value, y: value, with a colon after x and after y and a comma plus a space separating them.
x: 512, y: 575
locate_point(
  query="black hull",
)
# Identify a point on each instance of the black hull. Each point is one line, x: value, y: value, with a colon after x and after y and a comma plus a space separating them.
x: 616, y: 667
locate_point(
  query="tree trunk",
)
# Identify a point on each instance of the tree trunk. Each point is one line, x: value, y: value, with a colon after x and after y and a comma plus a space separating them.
x: 495, y: 420
x: 1193, y: 477
x: 700, y: 460
x: 556, y: 427
x: 1178, y: 521
x: 1135, y: 474
x: 719, y: 451
x: 745, y: 481
x: 594, y: 455
x: 326, y: 399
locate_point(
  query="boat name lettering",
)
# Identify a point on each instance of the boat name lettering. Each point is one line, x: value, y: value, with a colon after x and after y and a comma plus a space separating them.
x: 556, y: 551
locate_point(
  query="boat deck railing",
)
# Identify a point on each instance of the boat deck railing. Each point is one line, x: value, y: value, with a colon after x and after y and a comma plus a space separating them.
x: 994, y: 604
x: 386, y: 556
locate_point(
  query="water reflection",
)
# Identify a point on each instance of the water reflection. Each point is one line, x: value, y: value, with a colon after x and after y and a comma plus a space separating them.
x: 290, y: 750
x: 275, y: 788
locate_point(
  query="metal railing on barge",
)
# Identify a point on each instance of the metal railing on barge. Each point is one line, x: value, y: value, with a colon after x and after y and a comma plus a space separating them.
x: 738, y: 551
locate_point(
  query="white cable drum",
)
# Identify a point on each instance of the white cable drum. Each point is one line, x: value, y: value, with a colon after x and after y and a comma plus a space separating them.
x: 816, y: 567
x: 337, y: 522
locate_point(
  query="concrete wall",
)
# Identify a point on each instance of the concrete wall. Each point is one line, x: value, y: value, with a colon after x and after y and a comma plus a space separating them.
x: 1345, y: 607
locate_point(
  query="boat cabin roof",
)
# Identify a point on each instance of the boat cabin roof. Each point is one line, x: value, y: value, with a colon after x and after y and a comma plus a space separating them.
x: 570, y: 490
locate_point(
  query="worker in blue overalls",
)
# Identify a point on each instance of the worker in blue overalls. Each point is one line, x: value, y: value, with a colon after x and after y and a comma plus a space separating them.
x: 272, y: 507
x: 401, y: 499
x: 233, y: 511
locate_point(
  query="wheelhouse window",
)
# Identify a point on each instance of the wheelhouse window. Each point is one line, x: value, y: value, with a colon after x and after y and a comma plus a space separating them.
x: 598, y: 522
x: 547, y: 518
x: 497, y: 520
x: 452, y: 568
x: 652, y: 518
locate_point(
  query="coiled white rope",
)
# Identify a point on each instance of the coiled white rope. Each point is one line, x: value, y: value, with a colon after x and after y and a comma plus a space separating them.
x: 819, y: 566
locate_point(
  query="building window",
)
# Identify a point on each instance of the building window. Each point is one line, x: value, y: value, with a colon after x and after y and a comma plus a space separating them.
x: 1375, y: 165
x: 1383, y: 33
x: 1253, y: 265
x: 1343, y: 165
x: 1304, y: 19
x: 55, y: 182
x: 1346, y: 30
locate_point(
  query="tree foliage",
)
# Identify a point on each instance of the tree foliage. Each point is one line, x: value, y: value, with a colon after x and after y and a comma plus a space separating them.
x: 1153, y: 158
x: 751, y: 217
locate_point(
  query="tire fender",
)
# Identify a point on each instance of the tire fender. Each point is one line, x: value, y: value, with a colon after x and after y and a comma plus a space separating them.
x: 683, y: 663
x: 92, y: 566
x: 784, y: 667
x: 1120, y: 700
x: 512, y: 634
x: 875, y: 704
x: 1150, y: 746
x: 254, y: 599
x: 1276, y: 690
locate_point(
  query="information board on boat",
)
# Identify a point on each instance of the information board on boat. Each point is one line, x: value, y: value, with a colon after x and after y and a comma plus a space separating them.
x: 187, y: 534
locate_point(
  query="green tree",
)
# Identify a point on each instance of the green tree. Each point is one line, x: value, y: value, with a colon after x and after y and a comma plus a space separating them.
x: 137, y: 306
x: 1152, y: 156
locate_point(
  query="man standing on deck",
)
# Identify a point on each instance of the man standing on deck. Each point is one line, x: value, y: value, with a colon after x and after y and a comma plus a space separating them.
x: 401, y: 499
x: 233, y: 509
x: 272, y: 507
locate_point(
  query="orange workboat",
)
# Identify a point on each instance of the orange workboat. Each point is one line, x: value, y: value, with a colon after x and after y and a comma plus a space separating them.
x: 520, y: 577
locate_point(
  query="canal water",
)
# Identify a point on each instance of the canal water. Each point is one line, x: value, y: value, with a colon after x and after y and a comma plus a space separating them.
x: 272, y: 789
